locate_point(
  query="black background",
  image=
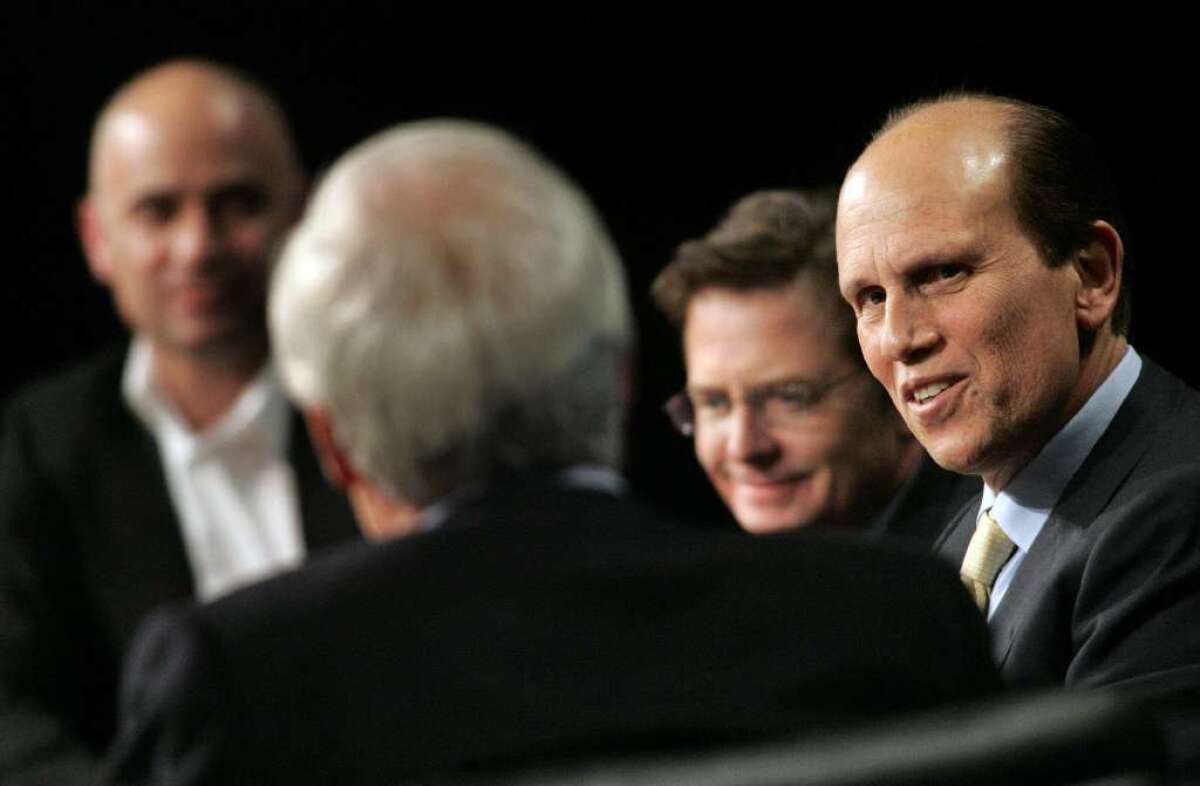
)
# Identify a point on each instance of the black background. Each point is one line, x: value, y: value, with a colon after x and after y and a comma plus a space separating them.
x: 664, y: 127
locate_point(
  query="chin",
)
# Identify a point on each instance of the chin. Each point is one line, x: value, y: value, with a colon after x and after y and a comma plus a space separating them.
x: 952, y: 453
x: 219, y: 342
x: 762, y: 523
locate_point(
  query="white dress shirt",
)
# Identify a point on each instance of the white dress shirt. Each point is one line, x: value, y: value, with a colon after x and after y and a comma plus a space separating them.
x: 231, y: 485
x: 1023, y: 508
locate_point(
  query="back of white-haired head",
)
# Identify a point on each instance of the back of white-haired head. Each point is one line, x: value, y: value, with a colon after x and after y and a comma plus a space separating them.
x: 455, y: 305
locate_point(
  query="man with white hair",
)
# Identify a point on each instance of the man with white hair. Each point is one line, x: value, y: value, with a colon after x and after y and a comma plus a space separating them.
x: 453, y: 318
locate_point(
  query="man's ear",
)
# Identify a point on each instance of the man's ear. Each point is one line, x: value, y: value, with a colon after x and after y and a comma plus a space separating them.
x: 379, y: 516
x: 334, y: 463
x: 93, y: 240
x: 1098, y: 265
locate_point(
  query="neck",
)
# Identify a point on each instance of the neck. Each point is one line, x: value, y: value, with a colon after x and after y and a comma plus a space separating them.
x: 201, y: 388
x: 1104, y: 357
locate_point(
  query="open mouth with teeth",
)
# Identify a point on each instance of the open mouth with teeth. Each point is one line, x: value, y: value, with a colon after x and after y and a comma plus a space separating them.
x: 923, y: 394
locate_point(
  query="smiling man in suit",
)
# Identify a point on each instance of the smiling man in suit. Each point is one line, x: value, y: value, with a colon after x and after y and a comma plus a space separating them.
x: 790, y: 428
x: 171, y: 468
x: 979, y: 243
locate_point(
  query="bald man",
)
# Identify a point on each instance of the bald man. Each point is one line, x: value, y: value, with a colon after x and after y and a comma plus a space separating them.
x: 980, y: 246
x: 172, y: 467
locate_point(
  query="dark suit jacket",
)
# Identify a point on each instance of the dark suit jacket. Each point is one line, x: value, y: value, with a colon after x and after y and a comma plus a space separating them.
x: 538, y: 620
x: 1109, y: 593
x: 926, y: 505
x: 89, y: 544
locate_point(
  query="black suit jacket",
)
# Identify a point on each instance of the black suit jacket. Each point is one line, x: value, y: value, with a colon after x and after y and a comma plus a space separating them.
x: 89, y: 543
x: 926, y: 505
x: 539, y: 620
x: 1109, y: 593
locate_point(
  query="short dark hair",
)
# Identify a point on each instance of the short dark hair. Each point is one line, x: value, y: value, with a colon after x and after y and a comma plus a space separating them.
x: 767, y: 240
x: 1060, y: 183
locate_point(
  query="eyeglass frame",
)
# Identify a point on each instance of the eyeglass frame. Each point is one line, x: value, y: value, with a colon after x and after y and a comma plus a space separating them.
x: 680, y: 410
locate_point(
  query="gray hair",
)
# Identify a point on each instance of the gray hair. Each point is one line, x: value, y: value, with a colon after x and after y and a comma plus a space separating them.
x: 456, y: 306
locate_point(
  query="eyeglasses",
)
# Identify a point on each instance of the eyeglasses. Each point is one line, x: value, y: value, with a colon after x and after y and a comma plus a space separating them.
x: 777, y: 403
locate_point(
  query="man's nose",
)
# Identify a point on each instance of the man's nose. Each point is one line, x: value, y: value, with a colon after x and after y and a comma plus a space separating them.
x: 197, y: 236
x: 908, y: 333
x: 750, y: 437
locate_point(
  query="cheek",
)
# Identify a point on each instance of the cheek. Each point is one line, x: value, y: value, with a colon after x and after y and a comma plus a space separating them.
x: 868, y: 342
x: 855, y: 451
x: 134, y: 253
x: 865, y: 424
x: 816, y: 445
x: 132, y: 279
x: 252, y: 239
x: 708, y: 453
x: 820, y: 495
x: 1006, y: 335
x: 1027, y: 352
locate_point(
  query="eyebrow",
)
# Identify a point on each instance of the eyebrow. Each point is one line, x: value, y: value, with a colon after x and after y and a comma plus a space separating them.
x: 774, y: 383
x: 954, y: 257
x: 152, y: 195
x: 916, y: 264
x: 239, y: 185
x: 854, y: 285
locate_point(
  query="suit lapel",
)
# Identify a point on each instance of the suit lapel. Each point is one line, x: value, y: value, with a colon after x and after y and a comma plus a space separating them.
x: 952, y: 543
x: 952, y: 546
x: 133, y: 548
x: 1030, y: 583
x: 1089, y: 491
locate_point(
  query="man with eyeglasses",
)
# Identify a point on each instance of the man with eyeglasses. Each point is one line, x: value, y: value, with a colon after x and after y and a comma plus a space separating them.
x: 787, y: 423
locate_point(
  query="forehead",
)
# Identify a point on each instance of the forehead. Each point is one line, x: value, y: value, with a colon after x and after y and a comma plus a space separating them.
x: 899, y: 208
x: 762, y: 335
x: 890, y: 226
x: 176, y: 143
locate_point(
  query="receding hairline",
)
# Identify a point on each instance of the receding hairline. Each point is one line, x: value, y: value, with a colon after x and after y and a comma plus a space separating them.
x: 939, y: 130
x: 1007, y: 109
x: 137, y: 93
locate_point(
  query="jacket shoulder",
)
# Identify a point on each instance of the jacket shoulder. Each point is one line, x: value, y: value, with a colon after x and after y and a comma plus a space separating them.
x: 97, y: 374
x: 59, y: 412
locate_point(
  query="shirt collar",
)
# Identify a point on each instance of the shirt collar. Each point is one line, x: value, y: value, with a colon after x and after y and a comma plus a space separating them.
x: 593, y: 477
x: 1023, y: 507
x: 260, y: 412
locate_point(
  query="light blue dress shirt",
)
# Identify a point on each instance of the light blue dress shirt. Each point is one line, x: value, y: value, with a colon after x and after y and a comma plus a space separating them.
x: 1023, y: 507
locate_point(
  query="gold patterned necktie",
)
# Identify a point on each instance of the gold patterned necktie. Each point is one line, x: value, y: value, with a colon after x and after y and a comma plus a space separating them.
x: 987, y: 552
